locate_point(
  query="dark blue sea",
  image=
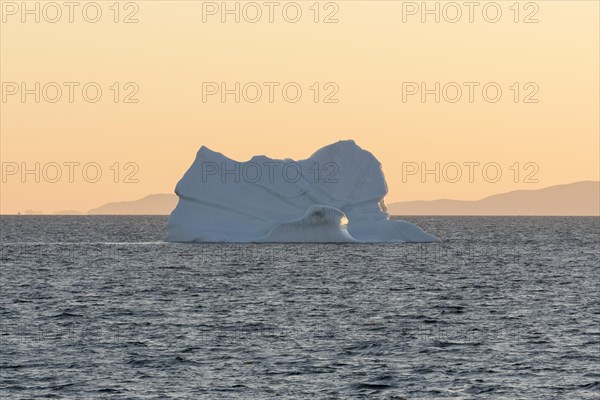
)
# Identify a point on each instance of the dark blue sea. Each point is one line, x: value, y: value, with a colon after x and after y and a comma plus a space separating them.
x: 101, y: 307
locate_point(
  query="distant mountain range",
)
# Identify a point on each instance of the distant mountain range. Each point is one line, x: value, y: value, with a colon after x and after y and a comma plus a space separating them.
x: 154, y: 204
x: 579, y: 198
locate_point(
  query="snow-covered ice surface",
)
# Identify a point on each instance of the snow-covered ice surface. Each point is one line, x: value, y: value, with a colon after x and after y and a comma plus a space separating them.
x: 335, y: 195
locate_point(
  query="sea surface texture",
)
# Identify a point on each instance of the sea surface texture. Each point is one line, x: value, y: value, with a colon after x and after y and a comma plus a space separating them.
x: 101, y: 307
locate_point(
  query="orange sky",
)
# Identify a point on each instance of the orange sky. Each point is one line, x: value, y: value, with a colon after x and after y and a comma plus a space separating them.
x: 368, y: 55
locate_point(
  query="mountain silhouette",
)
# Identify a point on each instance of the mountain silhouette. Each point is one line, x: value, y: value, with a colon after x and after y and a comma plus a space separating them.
x: 579, y: 198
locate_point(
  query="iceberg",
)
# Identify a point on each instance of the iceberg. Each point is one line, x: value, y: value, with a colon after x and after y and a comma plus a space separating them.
x: 334, y: 196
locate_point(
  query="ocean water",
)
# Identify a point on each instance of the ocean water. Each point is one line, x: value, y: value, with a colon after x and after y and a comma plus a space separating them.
x: 101, y: 307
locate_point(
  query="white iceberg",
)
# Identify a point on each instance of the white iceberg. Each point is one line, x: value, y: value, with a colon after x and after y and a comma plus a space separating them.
x: 334, y: 196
